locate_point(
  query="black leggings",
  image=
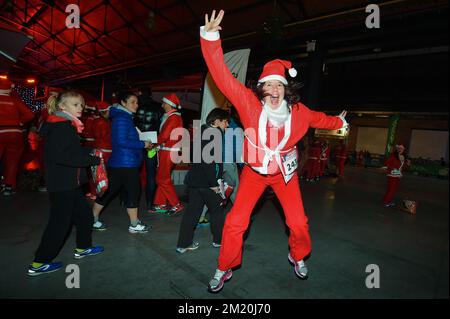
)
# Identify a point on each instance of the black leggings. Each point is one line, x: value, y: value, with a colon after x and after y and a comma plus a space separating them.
x: 122, y: 177
x: 67, y: 208
x: 198, y: 197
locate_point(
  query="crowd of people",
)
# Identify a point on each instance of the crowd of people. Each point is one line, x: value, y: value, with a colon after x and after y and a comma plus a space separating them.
x: 274, y: 119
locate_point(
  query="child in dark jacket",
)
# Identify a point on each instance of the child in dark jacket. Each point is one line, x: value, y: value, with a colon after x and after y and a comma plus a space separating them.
x: 203, y: 186
x: 64, y: 159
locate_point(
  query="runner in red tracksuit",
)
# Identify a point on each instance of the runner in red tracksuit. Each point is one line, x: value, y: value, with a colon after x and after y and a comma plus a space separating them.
x: 273, y: 127
x: 165, y: 191
x: 394, y: 171
x: 324, y: 158
x: 13, y: 114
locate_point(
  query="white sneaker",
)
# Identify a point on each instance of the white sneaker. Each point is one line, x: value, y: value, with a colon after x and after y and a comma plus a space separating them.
x: 194, y: 246
x: 140, y: 228
x: 216, y: 245
x: 217, y: 282
x: 299, y: 267
x: 98, y: 225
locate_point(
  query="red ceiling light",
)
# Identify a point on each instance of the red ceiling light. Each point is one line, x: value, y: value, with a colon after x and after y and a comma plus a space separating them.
x: 3, y: 77
x: 31, y: 81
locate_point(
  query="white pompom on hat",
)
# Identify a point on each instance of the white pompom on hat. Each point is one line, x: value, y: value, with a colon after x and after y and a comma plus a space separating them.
x: 276, y: 70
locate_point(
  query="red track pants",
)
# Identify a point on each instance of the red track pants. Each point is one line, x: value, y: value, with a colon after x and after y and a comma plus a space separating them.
x: 11, y: 149
x: 165, y: 190
x: 393, y: 183
x: 251, y: 187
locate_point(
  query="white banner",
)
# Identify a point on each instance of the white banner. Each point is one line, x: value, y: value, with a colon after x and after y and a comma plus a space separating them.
x: 237, y: 62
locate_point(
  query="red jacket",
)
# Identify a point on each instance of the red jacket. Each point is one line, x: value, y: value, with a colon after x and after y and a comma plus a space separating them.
x: 13, y: 112
x: 168, y: 124
x: 255, y: 121
x: 102, y: 133
x: 395, y: 166
x: 89, y: 127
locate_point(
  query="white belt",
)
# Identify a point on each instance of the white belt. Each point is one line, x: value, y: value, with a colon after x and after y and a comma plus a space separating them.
x: 163, y: 148
x: 105, y: 150
x: 89, y: 139
x: 13, y: 130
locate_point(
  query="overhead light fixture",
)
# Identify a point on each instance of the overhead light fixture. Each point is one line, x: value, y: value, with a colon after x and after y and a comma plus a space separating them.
x: 31, y: 81
x: 3, y: 77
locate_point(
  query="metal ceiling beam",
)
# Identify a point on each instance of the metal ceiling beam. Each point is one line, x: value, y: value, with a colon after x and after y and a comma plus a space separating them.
x: 196, y: 24
x: 53, y: 36
x: 158, y: 12
x: 131, y: 26
x: 90, y: 36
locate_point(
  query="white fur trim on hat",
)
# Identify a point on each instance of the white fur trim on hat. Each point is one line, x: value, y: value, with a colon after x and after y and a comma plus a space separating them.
x: 170, y: 103
x: 274, y: 77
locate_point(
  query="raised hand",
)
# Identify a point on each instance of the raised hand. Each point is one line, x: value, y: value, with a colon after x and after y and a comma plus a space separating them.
x: 213, y: 24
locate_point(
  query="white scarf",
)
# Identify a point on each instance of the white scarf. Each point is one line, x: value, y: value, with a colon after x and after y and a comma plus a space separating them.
x: 278, y: 116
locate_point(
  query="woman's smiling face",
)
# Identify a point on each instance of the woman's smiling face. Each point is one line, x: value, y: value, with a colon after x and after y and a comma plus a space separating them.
x: 273, y: 93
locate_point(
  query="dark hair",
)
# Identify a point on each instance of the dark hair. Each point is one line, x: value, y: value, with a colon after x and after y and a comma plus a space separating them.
x: 124, y: 96
x: 291, y: 94
x: 217, y: 114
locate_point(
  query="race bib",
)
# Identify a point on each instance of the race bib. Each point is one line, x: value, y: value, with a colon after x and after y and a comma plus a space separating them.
x: 290, y: 164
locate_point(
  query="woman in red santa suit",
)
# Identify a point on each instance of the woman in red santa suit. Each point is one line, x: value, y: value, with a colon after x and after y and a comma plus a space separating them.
x: 394, y: 170
x: 165, y: 191
x: 274, y: 122
x: 13, y: 114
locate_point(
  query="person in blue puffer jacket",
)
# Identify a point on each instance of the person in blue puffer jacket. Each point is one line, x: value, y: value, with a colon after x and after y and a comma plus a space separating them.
x: 124, y: 163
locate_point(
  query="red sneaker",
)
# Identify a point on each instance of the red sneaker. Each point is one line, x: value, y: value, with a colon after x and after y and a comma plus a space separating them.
x: 175, y: 209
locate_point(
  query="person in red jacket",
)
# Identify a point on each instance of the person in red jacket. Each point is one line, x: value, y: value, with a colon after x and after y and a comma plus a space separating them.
x: 311, y: 169
x: 165, y: 191
x: 88, y: 139
x: 394, y: 171
x: 274, y: 121
x: 340, y: 157
x: 13, y: 114
x: 102, y: 130
x: 313, y: 162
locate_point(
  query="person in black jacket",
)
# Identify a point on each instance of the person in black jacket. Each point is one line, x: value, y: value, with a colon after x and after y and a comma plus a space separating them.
x: 64, y: 159
x: 148, y: 118
x: 203, y: 186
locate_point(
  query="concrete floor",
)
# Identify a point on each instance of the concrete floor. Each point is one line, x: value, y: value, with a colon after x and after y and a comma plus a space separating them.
x: 349, y: 230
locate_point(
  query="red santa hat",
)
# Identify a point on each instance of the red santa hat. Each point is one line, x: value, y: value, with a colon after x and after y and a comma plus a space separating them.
x: 6, y: 84
x: 102, y: 106
x: 173, y: 100
x: 275, y: 70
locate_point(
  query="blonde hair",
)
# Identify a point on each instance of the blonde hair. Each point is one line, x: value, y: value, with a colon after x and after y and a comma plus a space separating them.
x: 56, y: 99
